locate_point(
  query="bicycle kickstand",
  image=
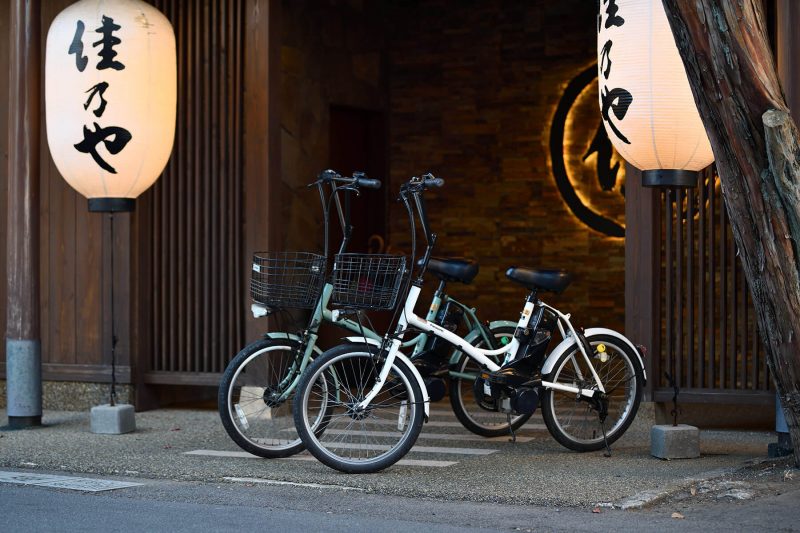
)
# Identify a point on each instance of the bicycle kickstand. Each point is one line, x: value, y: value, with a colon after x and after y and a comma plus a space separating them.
x: 511, y: 429
x: 605, y: 440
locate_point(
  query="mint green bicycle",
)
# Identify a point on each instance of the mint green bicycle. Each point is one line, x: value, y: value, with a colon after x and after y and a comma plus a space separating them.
x: 257, y: 390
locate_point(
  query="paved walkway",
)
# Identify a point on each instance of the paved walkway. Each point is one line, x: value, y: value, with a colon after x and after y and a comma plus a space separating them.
x: 447, y: 462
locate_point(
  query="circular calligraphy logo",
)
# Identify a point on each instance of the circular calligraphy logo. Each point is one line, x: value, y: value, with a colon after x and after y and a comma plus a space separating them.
x: 589, y: 174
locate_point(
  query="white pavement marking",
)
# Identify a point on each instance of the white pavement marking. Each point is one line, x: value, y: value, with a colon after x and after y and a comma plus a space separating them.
x: 415, y: 449
x: 430, y: 436
x: 402, y: 462
x: 292, y: 483
x: 64, y: 482
x: 440, y: 424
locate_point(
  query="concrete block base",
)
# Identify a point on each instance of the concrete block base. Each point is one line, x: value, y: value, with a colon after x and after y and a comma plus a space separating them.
x: 113, y: 419
x: 675, y: 442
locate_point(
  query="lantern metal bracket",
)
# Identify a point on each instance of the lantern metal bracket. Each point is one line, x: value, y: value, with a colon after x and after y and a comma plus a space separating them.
x: 670, y: 178
x: 111, y: 205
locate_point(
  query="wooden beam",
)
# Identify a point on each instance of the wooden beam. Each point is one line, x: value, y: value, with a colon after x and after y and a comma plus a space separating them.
x: 24, y: 100
x: 262, y: 164
x: 643, y: 271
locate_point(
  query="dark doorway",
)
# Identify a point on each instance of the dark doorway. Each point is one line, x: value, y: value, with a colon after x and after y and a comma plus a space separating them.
x: 358, y: 143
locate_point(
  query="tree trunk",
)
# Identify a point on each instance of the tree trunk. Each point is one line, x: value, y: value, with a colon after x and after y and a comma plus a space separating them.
x: 735, y: 84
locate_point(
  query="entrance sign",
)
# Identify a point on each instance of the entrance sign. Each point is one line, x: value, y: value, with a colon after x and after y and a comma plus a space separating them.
x: 645, y: 100
x: 110, y: 90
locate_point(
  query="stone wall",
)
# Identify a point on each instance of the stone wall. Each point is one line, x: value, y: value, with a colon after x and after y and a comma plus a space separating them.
x: 75, y: 396
x: 474, y: 88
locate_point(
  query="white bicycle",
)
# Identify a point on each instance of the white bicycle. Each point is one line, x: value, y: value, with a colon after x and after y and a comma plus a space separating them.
x: 374, y: 401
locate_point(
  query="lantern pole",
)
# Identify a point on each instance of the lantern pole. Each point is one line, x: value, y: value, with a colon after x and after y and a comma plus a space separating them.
x: 112, y: 418
x: 23, y: 348
x: 112, y: 401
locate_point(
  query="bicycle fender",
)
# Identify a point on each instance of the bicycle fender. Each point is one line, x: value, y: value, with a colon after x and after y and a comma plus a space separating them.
x: 623, y: 338
x: 362, y: 340
x: 567, y: 343
x: 403, y: 357
x: 475, y: 334
x: 425, y: 398
x: 279, y: 335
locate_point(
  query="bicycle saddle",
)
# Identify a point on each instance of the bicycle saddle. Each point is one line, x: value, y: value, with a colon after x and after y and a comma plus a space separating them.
x: 461, y: 270
x: 540, y: 280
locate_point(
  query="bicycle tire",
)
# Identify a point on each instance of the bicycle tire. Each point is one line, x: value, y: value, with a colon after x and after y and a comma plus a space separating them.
x: 402, y: 390
x: 461, y: 397
x: 573, y: 422
x: 274, y: 440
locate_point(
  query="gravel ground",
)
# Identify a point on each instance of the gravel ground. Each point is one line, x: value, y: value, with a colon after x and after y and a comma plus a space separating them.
x: 537, y: 472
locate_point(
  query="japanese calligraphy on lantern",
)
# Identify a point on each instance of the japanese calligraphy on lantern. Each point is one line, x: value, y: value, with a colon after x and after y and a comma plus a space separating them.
x: 110, y: 89
x: 646, y: 104
x: 614, y: 103
x: 114, y: 138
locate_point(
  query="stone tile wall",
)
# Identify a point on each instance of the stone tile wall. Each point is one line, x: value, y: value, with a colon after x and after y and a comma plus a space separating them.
x: 474, y: 86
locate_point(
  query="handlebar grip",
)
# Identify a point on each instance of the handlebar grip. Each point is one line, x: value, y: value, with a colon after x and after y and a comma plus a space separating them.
x: 368, y: 183
x: 434, y: 182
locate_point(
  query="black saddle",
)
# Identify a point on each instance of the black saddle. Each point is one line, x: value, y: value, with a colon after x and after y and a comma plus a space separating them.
x: 540, y: 280
x: 461, y: 270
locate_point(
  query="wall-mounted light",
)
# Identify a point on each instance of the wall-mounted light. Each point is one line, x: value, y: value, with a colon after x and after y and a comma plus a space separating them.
x: 645, y: 99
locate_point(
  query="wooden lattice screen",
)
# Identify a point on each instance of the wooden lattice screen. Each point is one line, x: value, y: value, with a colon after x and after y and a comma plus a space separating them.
x: 710, y: 340
x: 191, y: 225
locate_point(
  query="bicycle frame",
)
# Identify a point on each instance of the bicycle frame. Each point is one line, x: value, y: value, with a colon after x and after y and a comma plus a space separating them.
x: 323, y: 313
x: 409, y: 318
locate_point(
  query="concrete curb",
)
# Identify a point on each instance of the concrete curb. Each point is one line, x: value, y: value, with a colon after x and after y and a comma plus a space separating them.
x: 651, y: 497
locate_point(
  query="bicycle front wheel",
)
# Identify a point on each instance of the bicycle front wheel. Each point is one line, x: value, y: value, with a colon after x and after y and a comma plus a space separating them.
x: 255, y: 398
x: 358, y: 440
x: 575, y: 421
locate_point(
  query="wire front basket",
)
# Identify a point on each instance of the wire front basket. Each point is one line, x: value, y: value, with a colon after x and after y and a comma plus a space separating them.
x: 287, y: 279
x: 367, y: 281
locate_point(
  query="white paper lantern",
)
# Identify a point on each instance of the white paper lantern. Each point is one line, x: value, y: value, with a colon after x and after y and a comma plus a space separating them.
x: 645, y: 98
x: 110, y: 91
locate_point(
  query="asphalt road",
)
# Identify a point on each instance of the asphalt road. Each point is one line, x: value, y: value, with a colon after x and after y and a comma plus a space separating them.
x: 236, y: 506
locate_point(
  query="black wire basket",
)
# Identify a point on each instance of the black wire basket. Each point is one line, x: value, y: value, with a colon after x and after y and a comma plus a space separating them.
x: 287, y: 279
x: 367, y: 281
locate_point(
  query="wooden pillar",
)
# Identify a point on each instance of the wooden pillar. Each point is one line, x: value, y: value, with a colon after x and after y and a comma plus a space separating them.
x: 642, y: 271
x: 23, y: 350
x: 262, y: 149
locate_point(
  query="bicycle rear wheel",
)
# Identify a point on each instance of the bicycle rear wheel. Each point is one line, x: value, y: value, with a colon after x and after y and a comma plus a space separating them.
x: 255, y: 398
x: 358, y: 440
x: 478, y: 416
x: 574, y: 421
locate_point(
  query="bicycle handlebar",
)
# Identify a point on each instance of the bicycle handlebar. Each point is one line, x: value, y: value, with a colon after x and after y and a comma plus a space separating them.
x: 361, y: 179
x: 358, y: 179
x: 369, y: 183
x: 430, y: 181
x: 418, y: 184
